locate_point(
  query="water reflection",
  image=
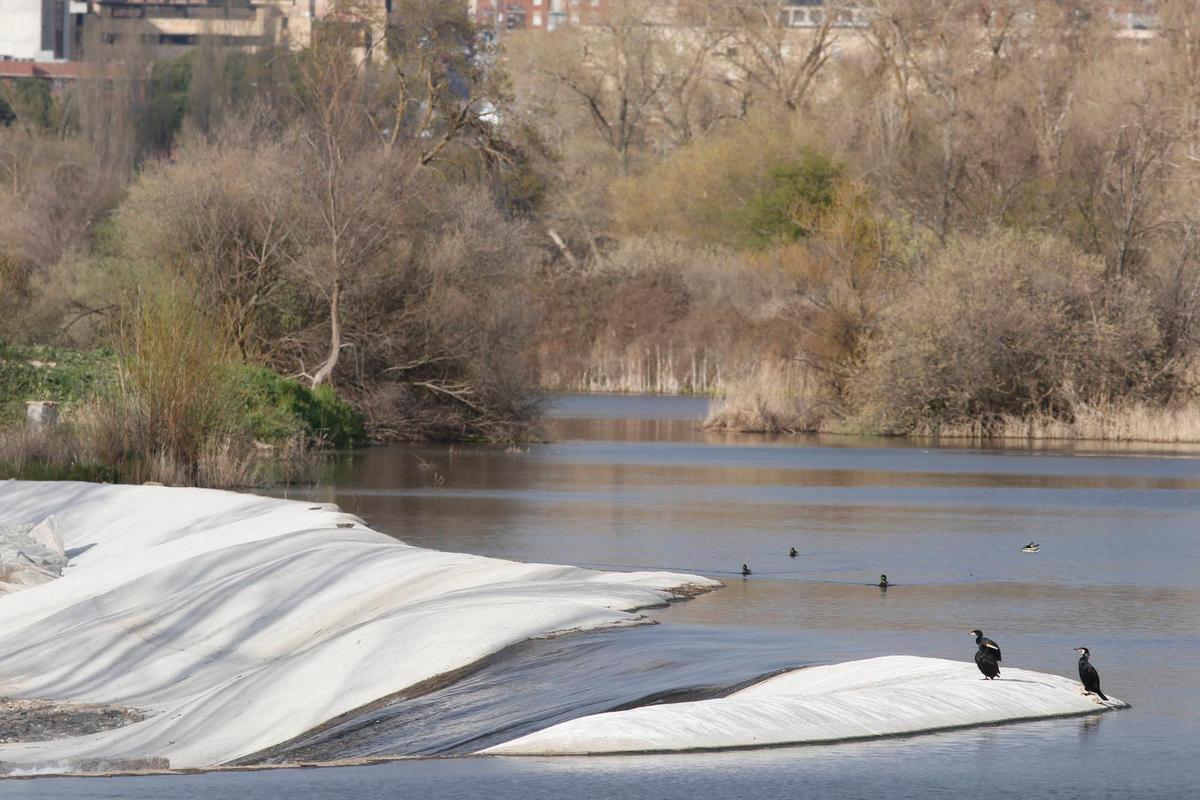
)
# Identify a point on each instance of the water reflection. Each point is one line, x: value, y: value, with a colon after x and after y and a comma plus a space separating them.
x: 1089, y: 727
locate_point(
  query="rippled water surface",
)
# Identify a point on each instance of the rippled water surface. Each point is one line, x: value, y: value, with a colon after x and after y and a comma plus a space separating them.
x: 629, y: 483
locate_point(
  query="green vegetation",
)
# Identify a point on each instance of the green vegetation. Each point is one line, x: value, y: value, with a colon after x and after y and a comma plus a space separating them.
x: 277, y: 409
x: 798, y: 193
x: 166, y: 104
x: 28, y: 100
x: 164, y: 412
x: 41, y: 372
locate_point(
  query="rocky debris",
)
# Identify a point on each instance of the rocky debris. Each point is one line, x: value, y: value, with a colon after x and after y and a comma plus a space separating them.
x: 30, y: 554
x: 25, y: 720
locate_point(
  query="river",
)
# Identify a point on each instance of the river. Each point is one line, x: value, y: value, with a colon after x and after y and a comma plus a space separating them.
x: 630, y: 483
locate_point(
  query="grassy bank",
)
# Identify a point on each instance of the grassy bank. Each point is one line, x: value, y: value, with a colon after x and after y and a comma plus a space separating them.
x: 173, y: 414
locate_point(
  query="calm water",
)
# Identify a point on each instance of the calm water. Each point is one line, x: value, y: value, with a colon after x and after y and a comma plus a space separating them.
x: 629, y: 483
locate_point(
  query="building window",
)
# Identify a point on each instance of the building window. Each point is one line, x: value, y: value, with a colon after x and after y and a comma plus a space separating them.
x: 176, y: 38
x: 537, y: 19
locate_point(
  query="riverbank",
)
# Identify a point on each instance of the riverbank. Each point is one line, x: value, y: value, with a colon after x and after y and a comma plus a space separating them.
x: 781, y: 404
x: 169, y: 417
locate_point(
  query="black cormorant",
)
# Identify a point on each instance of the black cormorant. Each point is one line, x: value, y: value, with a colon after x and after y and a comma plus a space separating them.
x: 987, y: 658
x: 745, y: 570
x: 1088, y: 674
x: 793, y: 552
x: 883, y: 584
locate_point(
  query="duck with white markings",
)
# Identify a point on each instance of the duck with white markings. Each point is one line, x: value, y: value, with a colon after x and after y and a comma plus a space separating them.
x: 1032, y: 547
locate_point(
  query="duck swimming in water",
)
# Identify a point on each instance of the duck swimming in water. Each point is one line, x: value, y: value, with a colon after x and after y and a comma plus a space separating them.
x: 1087, y: 673
x: 792, y: 553
x: 1030, y: 548
x: 745, y: 570
x: 987, y: 658
x: 883, y: 582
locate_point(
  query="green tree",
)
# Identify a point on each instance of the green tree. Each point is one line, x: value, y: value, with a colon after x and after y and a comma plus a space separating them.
x: 797, y: 191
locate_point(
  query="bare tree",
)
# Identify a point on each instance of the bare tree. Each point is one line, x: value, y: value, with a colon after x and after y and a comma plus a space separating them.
x: 769, y: 56
x: 614, y: 70
x: 345, y: 176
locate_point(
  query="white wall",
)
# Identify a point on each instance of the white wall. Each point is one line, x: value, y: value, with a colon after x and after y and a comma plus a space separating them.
x: 21, y: 29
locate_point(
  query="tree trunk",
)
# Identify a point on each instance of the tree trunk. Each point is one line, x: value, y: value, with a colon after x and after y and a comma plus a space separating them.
x: 325, y: 371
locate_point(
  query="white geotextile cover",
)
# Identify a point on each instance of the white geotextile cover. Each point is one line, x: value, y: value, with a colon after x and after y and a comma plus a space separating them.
x: 888, y: 696
x: 241, y: 621
x: 31, y: 553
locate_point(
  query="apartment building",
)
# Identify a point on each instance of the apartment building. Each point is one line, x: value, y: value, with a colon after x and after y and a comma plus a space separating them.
x: 40, y: 30
x: 543, y: 15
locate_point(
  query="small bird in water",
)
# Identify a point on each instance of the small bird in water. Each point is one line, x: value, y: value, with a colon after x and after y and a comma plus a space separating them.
x: 1087, y: 673
x: 745, y: 570
x: 883, y: 582
x: 1030, y: 548
x: 793, y: 552
x: 987, y: 658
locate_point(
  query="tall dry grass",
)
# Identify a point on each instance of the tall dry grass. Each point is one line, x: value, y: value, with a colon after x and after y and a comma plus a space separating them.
x: 776, y: 397
x: 94, y: 444
x: 172, y: 415
x: 645, y: 370
x: 1116, y: 422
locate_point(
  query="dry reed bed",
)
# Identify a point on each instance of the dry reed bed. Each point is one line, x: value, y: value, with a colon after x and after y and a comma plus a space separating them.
x: 784, y: 398
x: 775, y: 398
x: 1134, y: 422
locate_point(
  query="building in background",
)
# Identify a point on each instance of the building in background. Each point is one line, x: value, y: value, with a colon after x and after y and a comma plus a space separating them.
x: 548, y: 15
x: 174, y: 26
x: 40, y: 30
x: 538, y: 15
x: 813, y: 13
x: 46, y: 30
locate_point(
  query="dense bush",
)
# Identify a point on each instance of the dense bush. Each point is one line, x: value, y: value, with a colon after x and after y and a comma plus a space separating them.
x: 1002, y: 324
x: 732, y: 188
x: 277, y: 409
x: 797, y: 193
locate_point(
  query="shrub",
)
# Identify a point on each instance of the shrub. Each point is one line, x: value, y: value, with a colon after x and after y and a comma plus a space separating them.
x: 277, y: 409
x: 731, y: 188
x: 797, y: 191
x: 1006, y: 324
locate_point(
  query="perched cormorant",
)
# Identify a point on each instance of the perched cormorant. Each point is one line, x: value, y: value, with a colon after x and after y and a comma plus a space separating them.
x: 883, y: 584
x: 1030, y: 548
x: 793, y: 552
x: 745, y: 570
x: 1087, y: 673
x: 987, y: 658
